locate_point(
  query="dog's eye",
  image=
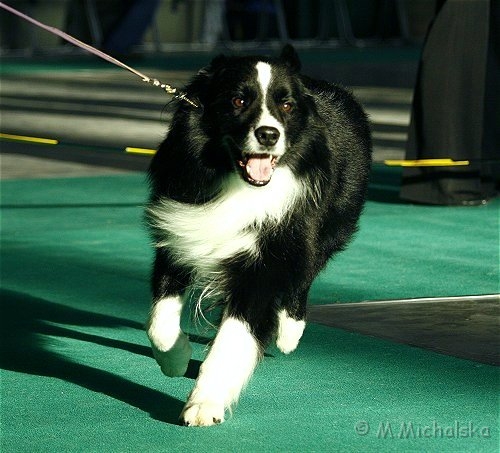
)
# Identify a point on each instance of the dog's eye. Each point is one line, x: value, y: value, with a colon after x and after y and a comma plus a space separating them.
x: 239, y: 103
x: 287, y: 106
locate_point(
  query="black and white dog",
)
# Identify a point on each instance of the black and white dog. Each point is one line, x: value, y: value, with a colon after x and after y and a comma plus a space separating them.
x: 251, y: 194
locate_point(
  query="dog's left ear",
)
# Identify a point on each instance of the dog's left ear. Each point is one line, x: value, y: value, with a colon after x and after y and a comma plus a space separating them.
x: 290, y: 58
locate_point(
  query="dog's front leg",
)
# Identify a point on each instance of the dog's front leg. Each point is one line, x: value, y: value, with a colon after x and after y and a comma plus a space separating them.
x: 226, y: 370
x: 170, y: 345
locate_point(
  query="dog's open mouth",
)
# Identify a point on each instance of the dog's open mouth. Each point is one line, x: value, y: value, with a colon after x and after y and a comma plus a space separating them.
x: 258, y: 168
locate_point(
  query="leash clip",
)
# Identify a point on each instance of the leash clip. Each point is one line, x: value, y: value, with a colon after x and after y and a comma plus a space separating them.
x: 170, y: 90
x: 182, y: 96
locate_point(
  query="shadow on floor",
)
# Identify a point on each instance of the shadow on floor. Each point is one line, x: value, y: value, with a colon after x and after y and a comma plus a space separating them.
x: 27, y: 321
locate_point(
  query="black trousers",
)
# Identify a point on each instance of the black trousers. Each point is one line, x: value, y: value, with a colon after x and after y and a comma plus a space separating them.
x: 456, y: 106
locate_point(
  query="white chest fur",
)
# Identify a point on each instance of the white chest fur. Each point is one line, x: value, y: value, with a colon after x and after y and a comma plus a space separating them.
x: 202, y: 235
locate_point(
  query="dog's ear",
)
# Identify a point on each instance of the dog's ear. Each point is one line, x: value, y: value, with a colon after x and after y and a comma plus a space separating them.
x: 217, y: 62
x: 290, y: 58
x: 198, y: 88
x: 209, y: 71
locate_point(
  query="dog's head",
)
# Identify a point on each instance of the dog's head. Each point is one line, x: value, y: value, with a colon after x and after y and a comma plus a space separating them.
x: 252, y: 110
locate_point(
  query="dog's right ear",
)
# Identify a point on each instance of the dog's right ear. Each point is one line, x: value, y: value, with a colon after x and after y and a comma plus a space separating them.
x: 198, y: 87
x: 211, y: 69
x: 217, y: 62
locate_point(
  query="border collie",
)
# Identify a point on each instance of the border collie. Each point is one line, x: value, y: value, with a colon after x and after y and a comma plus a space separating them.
x: 251, y: 194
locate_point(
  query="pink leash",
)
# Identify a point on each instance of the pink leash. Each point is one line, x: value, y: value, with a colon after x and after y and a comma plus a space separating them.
x: 155, y: 82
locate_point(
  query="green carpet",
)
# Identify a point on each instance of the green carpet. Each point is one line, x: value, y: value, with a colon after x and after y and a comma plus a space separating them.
x: 77, y: 374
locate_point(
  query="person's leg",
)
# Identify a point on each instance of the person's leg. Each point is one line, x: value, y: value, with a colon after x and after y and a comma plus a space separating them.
x: 447, y: 115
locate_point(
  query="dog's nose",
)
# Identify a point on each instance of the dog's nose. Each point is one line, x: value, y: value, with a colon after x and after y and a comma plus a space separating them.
x: 267, y: 136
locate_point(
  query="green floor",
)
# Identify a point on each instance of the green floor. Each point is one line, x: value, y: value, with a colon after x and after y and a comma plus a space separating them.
x: 77, y: 373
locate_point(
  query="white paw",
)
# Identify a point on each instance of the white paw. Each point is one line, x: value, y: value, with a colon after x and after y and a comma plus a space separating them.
x: 205, y: 413
x: 289, y: 332
x: 174, y: 362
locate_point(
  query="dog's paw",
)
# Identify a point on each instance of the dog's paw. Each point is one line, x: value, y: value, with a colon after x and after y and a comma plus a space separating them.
x: 174, y: 362
x: 205, y: 413
x: 289, y: 332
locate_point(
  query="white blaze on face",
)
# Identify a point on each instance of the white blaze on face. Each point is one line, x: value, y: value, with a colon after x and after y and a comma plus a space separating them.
x: 259, y: 160
x: 264, y: 78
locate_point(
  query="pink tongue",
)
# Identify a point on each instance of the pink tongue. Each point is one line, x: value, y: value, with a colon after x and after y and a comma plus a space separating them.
x: 259, y: 168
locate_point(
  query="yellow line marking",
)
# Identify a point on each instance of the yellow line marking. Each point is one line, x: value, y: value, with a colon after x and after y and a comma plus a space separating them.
x: 426, y: 162
x: 23, y: 138
x: 145, y: 151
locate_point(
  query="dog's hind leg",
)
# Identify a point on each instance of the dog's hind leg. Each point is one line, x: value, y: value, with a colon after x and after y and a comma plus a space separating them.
x: 291, y: 322
x: 290, y: 332
x: 170, y: 345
